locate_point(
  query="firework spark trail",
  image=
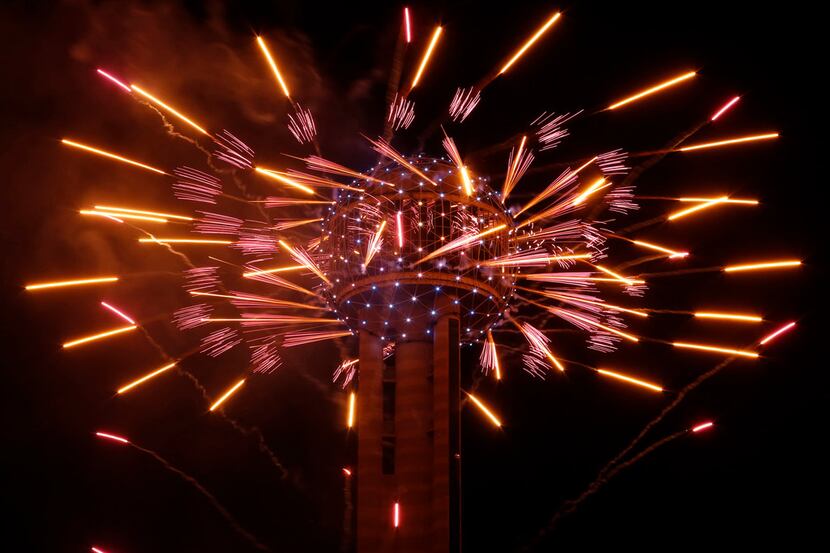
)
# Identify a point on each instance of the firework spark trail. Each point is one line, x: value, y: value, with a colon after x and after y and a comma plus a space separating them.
x: 455, y: 156
x: 401, y: 113
x: 195, y: 186
x: 425, y: 59
x: 301, y: 125
x: 303, y: 258
x: 463, y: 103
x: 273, y: 65
x: 169, y: 108
x: 518, y: 54
x: 571, y: 505
x: 375, y: 243
x: 214, y: 502
x: 489, y: 358
x: 615, y: 464
x: 551, y: 130
x: 233, y: 151
x: 294, y: 339
x: 385, y: 149
x: 284, y: 179
x: 110, y: 155
x: 461, y: 242
x: 517, y: 165
x: 654, y: 89
x: 317, y: 163
x: 725, y: 108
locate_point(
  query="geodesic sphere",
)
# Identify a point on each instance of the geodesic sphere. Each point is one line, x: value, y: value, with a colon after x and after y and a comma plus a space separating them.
x: 387, y: 251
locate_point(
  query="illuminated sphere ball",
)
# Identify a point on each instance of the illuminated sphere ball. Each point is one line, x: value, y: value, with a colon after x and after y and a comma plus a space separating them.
x: 380, y: 245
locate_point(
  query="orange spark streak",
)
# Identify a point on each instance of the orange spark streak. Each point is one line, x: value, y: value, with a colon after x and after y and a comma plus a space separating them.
x: 79, y: 282
x: 703, y: 426
x: 530, y: 42
x: 777, y: 333
x: 728, y: 316
x: 169, y: 108
x: 118, y: 312
x: 672, y: 254
x: 258, y: 272
x: 603, y: 327
x: 98, y: 336
x: 112, y: 437
x: 123, y: 210
x: 112, y: 156
x: 96, y: 550
x: 110, y: 215
x: 763, y: 265
x: 182, y: 241
x: 652, y: 90
x: 465, y: 180
x: 729, y: 141
x: 406, y: 24
x: 598, y: 185
x: 702, y: 347
x: 352, y: 405
x: 384, y: 148
x: 310, y: 265
x: 273, y: 64
x: 615, y: 275
x: 281, y: 177
x: 569, y: 298
x: 535, y: 259
x: 374, y: 244
x: 462, y: 243
x: 726, y: 106
x: 144, y: 378
x: 636, y: 381
x: 722, y: 199
x: 689, y: 211
x: 227, y: 394
x: 396, y: 514
x: 484, y: 409
x: 435, y: 35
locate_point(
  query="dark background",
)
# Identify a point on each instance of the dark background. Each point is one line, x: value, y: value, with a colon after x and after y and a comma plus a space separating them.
x: 758, y: 478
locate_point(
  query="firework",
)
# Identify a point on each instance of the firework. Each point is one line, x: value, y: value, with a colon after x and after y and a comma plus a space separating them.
x: 630, y: 380
x: 65, y: 283
x: 425, y: 58
x: 770, y: 337
x: 530, y: 42
x: 111, y: 156
x: 98, y: 336
x: 652, y: 90
x: 484, y: 409
x: 392, y: 247
x: 716, y: 349
x: 145, y: 378
x: 169, y: 109
x: 726, y: 107
x: 273, y: 65
x: 762, y: 266
x: 226, y: 395
x: 729, y: 142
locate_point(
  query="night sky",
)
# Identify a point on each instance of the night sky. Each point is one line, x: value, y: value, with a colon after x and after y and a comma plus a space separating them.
x: 758, y: 478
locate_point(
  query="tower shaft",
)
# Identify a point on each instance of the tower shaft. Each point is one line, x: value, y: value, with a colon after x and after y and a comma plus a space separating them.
x: 408, y: 443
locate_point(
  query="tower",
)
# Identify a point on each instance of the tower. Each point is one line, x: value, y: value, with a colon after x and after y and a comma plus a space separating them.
x: 406, y: 259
